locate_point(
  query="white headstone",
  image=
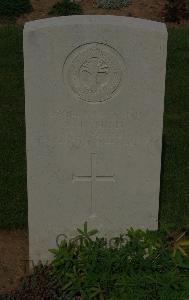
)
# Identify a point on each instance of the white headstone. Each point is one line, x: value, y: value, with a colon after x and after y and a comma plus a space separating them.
x: 94, y: 115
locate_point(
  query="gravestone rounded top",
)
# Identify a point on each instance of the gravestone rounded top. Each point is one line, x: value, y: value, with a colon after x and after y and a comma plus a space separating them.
x: 94, y: 72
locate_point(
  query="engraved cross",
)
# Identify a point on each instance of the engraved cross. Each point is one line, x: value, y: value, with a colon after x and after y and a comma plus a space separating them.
x: 92, y: 179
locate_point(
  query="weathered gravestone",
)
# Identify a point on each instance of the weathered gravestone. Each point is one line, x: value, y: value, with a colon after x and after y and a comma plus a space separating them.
x: 94, y: 116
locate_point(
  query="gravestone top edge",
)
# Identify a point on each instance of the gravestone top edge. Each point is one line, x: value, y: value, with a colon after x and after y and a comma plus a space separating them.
x: 96, y: 20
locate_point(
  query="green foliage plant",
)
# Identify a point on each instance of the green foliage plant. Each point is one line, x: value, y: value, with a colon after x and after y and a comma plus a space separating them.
x: 176, y: 10
x: 112, y: 4
x: 177, y: 243
x: 135, y: 265
x: 66, y: 8
x: 14, y: 8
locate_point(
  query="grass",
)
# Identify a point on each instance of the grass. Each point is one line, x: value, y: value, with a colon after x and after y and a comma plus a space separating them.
x: 175, y: 164
x: 174, y: 196
x: 13, y: 196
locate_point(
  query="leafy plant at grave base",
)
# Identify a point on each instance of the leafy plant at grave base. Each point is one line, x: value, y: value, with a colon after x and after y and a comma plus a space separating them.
x: 14, y: 8
x: 66, y: 8
x: 114, y: 4
x: 136, y: 265
x: 176, y: 10
x: 177, y: 243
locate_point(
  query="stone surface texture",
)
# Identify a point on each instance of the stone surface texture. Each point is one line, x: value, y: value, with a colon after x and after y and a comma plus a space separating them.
x: 94, y: 88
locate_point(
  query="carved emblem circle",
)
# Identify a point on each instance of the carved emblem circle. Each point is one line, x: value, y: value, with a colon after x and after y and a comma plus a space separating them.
x: 94, y: 72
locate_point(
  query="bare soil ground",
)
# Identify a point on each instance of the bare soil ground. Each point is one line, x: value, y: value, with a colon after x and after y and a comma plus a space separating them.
x: 145, y: 9
x: 13, y: 258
